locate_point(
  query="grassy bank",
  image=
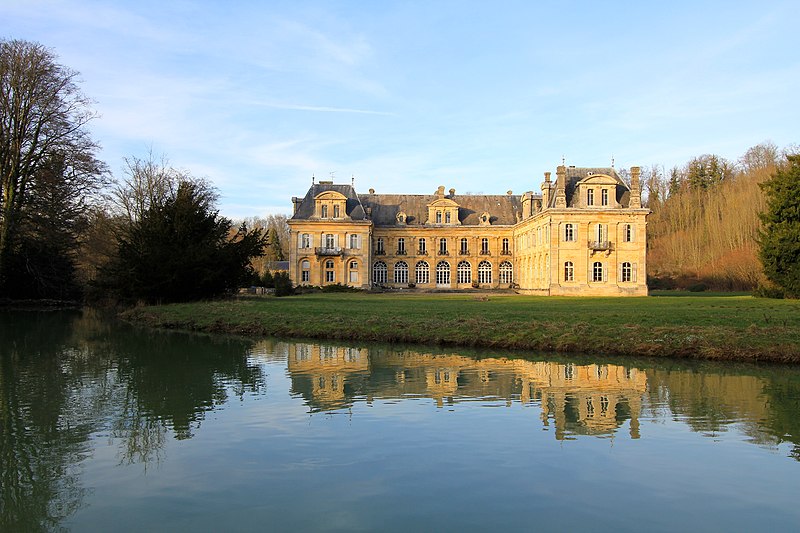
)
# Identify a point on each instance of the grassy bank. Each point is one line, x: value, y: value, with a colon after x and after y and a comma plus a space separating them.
x: 711, y: 326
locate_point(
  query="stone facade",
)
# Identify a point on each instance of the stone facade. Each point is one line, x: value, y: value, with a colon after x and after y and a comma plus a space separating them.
x: 585, y: 234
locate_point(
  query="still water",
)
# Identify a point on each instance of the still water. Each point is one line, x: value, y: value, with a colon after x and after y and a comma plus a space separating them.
x: 104, y: 427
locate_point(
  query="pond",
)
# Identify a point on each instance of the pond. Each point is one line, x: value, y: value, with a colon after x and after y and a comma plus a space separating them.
x: 104, y: 426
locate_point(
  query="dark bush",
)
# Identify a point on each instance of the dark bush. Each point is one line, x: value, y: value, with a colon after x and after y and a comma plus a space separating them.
x: 283, y: 285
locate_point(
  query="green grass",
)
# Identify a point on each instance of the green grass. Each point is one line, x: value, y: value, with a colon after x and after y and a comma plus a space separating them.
x: 707, y: 325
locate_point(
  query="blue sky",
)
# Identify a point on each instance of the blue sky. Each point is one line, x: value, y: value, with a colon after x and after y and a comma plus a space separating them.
x: 405, y: 96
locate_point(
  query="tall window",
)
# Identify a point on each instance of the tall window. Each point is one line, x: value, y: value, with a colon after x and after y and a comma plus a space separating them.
x: 401, y: 246
x: 330, y: 241
x: 336, y: 211
x: 627, y: 272
x: 601, y: 232
x: 422, y: 272
x: 305, y: 240
x: 506, y: 272
x: 464, y: 248
x: 484, y: 272
x: 447, y: 217
x: 627, y: 233
x: 422, y: 245
x: 354, y: 241
x: 506, y: 251
x: 604, y: 197
x: 401, y: 272
x: 464, y: 272
x: 438, y: 217
x: 569, y: 271
x: 324, y: 211
x: 353, y: 271
x: 569, y: 232
x: 305, y: 271
x: 484, y: 246
x: 379, y: 246
x: 379, y: 272
x: 330, y: 275
x: 443, y: 273
x: 443, y: 246
x: 597, y: 271
x: 590, y: 197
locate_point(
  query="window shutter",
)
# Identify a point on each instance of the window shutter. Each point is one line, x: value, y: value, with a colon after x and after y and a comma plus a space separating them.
x: 633, y: 272
x: 633, y: 233
x: 619, y: 272
x: 605, y: 273
x: 299, y: 240
x: 336, y: 241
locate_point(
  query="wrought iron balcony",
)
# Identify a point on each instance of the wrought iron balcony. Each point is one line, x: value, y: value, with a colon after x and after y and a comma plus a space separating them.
x: 505, y: 252
x: 380, y: 252
x: 401, y: 252
x: 326, y: 251
x: 605, y: 246
x: 463, y: 252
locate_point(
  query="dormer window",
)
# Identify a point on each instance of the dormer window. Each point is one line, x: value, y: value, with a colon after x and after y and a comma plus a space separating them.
x: 324, y: 211
x: 438, y: 217
x: 604, y: 197
x: 447, y: 217
x: 589, y: 196
x: 336, y: 211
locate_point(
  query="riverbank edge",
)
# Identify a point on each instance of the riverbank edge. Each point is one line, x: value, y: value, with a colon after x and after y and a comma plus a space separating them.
x: 679, y: 342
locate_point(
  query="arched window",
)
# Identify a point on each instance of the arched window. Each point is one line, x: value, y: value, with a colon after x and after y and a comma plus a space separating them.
x: 443, y: 273
x: 353, y: 271
x: 305, y: 271
x: 423, y: 272
x: 569, y: 271
x: 484, y: 272
x: 598, y: 271
x: 379, y: 272
x: 626, y: 274
x: 330, y: 274
x: 401, y: 272
x: 464, y: 246
x: 506, y: 273
x: 464, y: 272
x: 627, y: 233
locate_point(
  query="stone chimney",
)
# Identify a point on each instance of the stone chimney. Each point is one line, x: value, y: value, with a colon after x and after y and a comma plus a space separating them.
x: 636, y: 190
x: 295, y: 204
x: 547, y: 187
x: 527, y: 205
x: 561, y: 186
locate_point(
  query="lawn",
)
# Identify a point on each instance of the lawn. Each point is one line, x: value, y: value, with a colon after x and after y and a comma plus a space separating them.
x: 714, y: 326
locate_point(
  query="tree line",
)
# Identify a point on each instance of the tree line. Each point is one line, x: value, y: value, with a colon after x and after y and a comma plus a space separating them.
x: 70, y: 230
x: 705, y: 229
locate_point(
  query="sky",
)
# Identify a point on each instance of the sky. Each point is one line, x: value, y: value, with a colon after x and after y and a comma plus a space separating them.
x: 259, y: 97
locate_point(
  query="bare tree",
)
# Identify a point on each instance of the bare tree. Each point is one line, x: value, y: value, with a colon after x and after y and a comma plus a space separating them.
x: 43, y: 118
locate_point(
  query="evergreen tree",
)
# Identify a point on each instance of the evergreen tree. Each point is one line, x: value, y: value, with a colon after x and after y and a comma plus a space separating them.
x: 780, y: 236
x: 180, y: 250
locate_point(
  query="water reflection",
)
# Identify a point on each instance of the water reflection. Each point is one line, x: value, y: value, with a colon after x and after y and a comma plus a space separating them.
x: 76, y: 385
x: 587, y: 399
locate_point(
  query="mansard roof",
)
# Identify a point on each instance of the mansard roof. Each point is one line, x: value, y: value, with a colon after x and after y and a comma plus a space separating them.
x: 353, y: 207
x: 574, y: 175
x: 502, y: 208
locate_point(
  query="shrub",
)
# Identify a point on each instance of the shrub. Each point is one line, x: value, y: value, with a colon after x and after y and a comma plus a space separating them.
x: 697, y: 287
x: 283, y: 285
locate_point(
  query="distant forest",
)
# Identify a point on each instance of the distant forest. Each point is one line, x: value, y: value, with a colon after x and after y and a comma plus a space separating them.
x: 704, y: 227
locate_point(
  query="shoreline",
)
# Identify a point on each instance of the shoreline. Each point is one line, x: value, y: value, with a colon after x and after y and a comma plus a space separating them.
x: 642, y: 327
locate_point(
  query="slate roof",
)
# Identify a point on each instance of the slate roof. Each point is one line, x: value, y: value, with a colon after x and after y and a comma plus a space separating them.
x: 502, y: 208
x: 576, y: 174
x: 353, y: 208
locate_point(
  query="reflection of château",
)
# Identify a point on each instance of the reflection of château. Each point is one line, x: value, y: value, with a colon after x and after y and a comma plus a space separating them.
x: 579, y: 399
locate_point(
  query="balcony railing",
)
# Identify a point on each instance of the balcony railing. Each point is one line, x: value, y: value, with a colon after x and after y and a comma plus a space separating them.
x: 505, y: 252
x: 401, y: 252
x: 485, y: 252
x: 601, y: 245
x: 463, y: 252
x: 329, y: 251
x: 380, y: 252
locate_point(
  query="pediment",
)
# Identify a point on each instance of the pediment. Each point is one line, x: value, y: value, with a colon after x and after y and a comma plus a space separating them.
x: 598, y: 179
x: 443, y: 202
x: 330, y: 195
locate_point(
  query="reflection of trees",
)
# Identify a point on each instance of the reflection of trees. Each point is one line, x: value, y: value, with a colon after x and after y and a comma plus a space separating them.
x: 65, y: 376
x: 45, y: 420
